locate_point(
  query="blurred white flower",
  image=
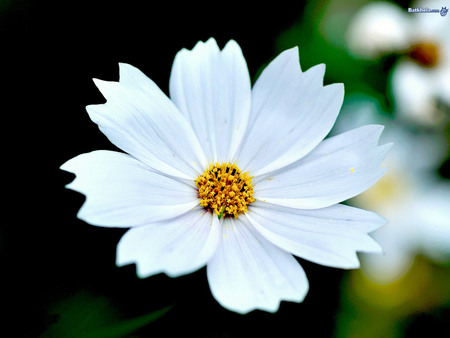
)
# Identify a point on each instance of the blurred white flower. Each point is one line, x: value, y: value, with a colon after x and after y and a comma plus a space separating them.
x: 417, y: 206
x: 410, y: 196
x: 378, y: 28
x: 182, y: 192
x: 421, y: 78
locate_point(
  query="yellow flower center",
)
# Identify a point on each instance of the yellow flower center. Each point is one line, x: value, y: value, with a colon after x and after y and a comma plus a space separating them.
x: 425, y: 54
x: 222, y: 188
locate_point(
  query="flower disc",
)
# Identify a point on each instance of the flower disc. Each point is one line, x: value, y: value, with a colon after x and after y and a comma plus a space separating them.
x: 222, y: 188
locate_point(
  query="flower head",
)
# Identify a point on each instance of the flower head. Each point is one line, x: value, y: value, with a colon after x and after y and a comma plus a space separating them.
x: 230, y: 177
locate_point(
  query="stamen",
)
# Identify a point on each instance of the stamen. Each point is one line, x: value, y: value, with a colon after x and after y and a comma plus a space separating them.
x: 225, y: 193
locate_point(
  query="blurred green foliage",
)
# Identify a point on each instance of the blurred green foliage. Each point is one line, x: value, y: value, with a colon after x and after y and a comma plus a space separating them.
x: 93, y: 316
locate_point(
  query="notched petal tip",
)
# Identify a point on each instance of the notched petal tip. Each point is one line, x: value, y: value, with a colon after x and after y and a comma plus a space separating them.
x: 211, y: 40
x: 338, y: 87
x: 290, y: 59
x: 375, y: 128
x: 140, y: 273
x: 244, y: 311
x: 232, y: 47
x: 133, y: 77
x: 384, y: 149
x: 231, y: 44
x: 375, y: 247
x: 125, y: 70
x: 318, y: 72
x: 388, y: 146
x: 98, y: 82
x: 377, y: 222
x: 91, y: 108
x: 66, y: 166
x: 353, y: 266
x: 124, y: 65
x: 293, y: 51
x: 107, y: 88
x: 121, y: 259
x: 293, y: 55
x: 211, y: 44
x: 369, y: 133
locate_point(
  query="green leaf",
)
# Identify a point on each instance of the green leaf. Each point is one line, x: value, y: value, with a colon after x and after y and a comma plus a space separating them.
x: 87, y: 315
x: 128, y: 326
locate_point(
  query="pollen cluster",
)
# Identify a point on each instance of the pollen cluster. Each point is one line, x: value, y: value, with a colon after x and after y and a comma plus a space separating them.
x: 222, y: 188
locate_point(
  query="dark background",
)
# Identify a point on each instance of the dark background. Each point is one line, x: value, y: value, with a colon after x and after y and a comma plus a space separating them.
x: 58, y: 274
x: 56, y: 267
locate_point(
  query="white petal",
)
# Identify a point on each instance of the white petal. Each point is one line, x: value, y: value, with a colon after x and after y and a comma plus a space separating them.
x: 141, y: 120
x: 330, y: 236
x: 291, y: 113
x: 339, y: 168
x: 212, y: 89
x: 175, y: 247
x: 248, y: 272
x: 122, y: 191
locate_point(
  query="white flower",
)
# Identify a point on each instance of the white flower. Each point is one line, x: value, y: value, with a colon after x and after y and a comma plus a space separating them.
x: 183, y: 150
x: 420, y: 80
x: 377, y: 28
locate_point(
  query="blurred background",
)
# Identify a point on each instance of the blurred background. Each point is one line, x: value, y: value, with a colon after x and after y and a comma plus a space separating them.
x: 59, y: 274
